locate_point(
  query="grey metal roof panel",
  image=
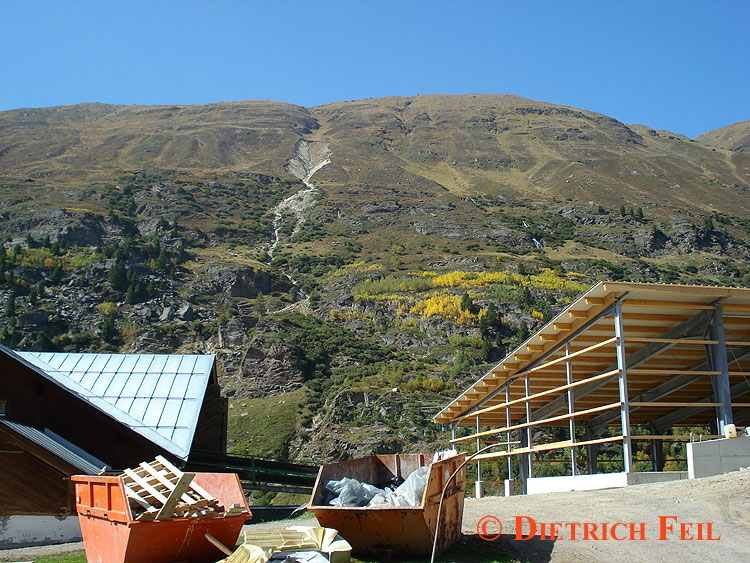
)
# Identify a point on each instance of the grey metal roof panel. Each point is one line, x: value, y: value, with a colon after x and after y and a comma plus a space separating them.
x: 69, y: 362
x: 98, y: 361
x: 159, y: 396
x: 56, y: 445
x: 158, y: 363
x: 127, y: 365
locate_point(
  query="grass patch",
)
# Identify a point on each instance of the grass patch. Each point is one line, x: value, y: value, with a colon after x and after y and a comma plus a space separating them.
x: 70, y: 557
x: 264, y: 426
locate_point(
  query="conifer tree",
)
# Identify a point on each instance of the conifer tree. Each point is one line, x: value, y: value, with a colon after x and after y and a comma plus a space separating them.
x: 109, y: 331
x: 56, y: 274
x: 10, y: 305
x: 130, y: 294
x: 118, y: 276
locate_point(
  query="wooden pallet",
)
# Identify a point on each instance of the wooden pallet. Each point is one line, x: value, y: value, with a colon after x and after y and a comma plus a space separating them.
x: 159, y: 490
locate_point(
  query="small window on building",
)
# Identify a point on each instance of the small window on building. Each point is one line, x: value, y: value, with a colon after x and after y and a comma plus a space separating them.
x: 3, y: 408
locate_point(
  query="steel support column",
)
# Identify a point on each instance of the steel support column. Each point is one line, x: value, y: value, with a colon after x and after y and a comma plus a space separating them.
x: 592, y: 452
x: 721, y: 382
x: 627, y: 450
x: 523, y: 467
x: 657, y: 455
x: 529, y: 456
x: 479, y: 484
x: 571, y: 421
x: 507, y: 434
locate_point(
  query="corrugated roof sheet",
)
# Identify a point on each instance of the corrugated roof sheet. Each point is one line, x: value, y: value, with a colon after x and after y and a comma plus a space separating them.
x: 59, y: 447
x: 157, y: 395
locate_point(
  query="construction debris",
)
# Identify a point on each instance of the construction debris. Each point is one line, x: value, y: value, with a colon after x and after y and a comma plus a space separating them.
x: 158, y: 490
x: 350, y: 492
x: 301, y: 544
x: 399, y: 525
x: 157, y: 513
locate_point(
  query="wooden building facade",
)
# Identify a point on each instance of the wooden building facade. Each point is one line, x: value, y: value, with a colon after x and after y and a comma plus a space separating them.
x: 65, y: 414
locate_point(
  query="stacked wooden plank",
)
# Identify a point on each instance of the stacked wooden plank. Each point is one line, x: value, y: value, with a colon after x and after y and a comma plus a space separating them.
x: 158, y: 490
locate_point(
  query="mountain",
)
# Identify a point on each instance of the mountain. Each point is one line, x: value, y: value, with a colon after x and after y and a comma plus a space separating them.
x: 353, y: 262
x: 734, y: 137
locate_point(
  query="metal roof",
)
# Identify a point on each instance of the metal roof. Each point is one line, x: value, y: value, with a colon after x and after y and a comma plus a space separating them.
x: 650, y: 312
x: 157, y: 395
x: 61, y: 448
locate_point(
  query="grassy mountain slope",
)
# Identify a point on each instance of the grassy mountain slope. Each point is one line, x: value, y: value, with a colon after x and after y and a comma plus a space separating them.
x: 443, y: 231
x: 734, y: 137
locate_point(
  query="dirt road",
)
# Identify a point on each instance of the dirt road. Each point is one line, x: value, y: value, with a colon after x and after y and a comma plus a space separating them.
x: 723, y: 501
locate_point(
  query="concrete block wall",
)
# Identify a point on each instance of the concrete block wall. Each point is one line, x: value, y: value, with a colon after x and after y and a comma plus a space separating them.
x: 21, y: 530
x: 714, y: 457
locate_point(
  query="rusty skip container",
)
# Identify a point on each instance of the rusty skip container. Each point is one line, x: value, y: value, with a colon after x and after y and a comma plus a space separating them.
x: 385, y: 531
x: 112, y: 535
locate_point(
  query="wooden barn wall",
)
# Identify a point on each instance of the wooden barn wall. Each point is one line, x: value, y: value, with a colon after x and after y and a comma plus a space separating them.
x: 32, y: 483
x: 35, y: 401
x: 210, y: 435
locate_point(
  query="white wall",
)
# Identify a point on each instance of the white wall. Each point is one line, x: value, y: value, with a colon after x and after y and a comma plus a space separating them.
x: 21, y: 530
x: 537, y: 485
x: 714, y: 457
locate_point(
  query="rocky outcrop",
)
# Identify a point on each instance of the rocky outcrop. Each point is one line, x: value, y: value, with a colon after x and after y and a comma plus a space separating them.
x: 268, y: 367
x: 242, y: 282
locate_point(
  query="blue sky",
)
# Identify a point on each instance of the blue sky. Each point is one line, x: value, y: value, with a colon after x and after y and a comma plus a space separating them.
x: 682, y: 65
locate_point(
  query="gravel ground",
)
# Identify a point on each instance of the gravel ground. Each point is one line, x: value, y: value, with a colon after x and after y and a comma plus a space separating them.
x: 724, y: 501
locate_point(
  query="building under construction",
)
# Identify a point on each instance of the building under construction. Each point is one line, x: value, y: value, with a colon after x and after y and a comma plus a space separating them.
x: 623, y: 356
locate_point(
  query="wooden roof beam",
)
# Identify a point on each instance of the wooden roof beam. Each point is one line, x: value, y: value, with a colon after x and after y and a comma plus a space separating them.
x: 672, y: 418
x: 578, y: 314
x: 638, y: 357
x: 534, y: 423
x: 656, y: 304
x: 662, y: 390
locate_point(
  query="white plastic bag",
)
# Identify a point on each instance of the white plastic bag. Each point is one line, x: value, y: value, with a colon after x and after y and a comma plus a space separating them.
x: 409, y: 493
x: 350, y: 492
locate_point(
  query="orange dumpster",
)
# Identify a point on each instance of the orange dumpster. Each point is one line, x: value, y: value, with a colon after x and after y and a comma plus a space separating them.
x: 112, y: 535
x: 386, y: 531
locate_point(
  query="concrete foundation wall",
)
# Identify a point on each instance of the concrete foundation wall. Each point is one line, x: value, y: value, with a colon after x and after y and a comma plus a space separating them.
x: 538, y: 485
x: 714, y: 457
x: 21, y: 530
